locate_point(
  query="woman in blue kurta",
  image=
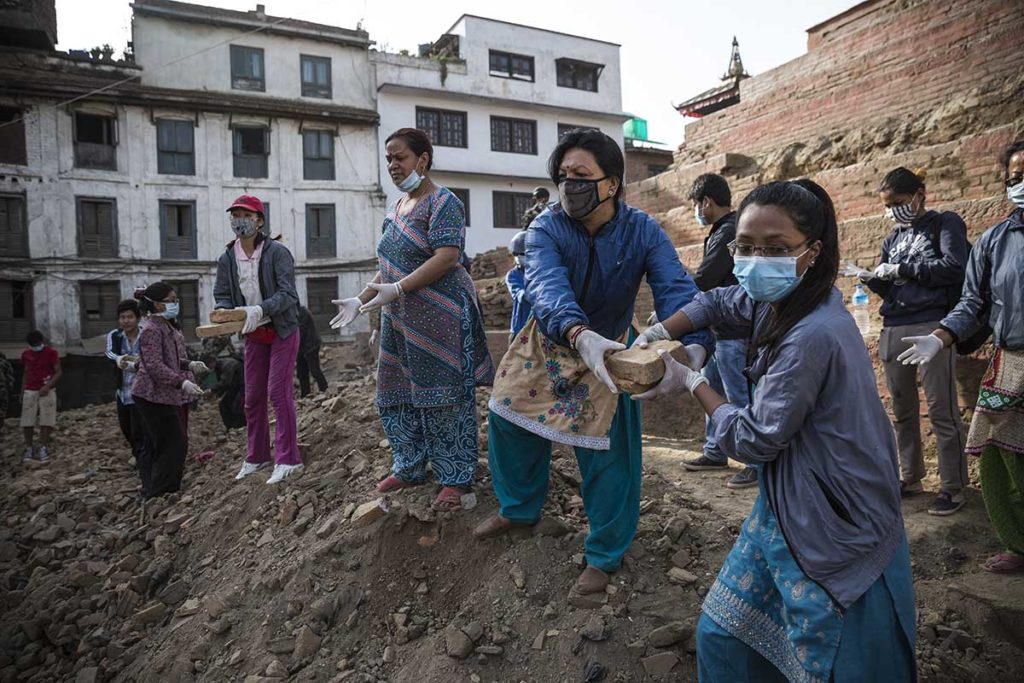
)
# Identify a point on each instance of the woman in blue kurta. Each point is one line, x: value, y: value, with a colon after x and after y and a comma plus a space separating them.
x: 585, y: 260
x: 433, y: 351
x: 818, y: 586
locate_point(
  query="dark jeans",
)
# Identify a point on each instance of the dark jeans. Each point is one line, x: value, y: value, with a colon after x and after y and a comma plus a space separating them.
x: 232, y: 409
x: 134, y: 430
x: 162, y: 470
x: 306, y: 364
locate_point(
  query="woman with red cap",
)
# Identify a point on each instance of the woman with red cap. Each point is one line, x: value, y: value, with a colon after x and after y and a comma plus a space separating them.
x: 257, y: 274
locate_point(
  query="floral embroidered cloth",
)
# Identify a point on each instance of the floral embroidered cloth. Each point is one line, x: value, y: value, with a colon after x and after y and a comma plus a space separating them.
x: 999, y: 414
x: 546, y: 389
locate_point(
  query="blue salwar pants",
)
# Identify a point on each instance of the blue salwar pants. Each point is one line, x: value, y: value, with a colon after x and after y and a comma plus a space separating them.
x: 444, y: 436
x: 520, y: 462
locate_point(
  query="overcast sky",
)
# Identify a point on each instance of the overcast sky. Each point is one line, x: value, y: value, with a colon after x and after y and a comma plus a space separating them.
x: 671, y: 49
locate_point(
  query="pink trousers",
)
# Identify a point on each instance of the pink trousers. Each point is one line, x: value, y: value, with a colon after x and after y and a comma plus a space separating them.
x: 269, y: 369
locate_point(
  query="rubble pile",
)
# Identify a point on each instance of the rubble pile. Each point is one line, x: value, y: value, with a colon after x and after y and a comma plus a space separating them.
x: 321, y: 579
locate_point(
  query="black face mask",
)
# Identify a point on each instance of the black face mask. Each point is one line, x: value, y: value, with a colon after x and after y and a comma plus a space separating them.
x: 579, y: 196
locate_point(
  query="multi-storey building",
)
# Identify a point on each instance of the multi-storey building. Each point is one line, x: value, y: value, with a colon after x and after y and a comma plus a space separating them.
x: 114, y: 174
x: 495, y: 97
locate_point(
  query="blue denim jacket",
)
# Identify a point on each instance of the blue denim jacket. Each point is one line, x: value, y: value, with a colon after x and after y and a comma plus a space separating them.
x: 819, y: 431
x: 574, y: 279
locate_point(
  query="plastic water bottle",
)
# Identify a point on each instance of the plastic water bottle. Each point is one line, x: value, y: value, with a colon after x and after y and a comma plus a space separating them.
x: 861, y: 315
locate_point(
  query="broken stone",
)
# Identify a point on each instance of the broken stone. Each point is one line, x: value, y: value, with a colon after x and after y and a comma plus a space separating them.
x: 677, y: 526
x: 190, y: 607
x: 220, y: 627
x: 595, y: 629
x: 518, y: 576
x: 276, y: 670
x: 389, y: 655
x: 289, y: 509
x: 660, y: 664
x: 456, y: 643
x: 474, y: 630
x: 48, y: 535
x: 492, y: 650
x: 681, y: 576
x: 670, y: 634
x: 680, y: 558
x: 306, y: 643
x: 356, y: 462
x: 88, y: 674
x: 281, y: 646
x: 588, y: 601
x: 370, y: 512
x: 551, y: 526
x: 174, y: 593
x: 152, y: 613
x: 467, y: 501
x: 327, y: 528
x: 266, y: 538
x: 538, y: 642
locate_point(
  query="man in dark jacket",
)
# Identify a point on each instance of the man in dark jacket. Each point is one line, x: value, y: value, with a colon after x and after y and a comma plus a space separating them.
x: 230, y: 387
x: 309, y: 354
x: 712, y: 206
x: 920, y: 277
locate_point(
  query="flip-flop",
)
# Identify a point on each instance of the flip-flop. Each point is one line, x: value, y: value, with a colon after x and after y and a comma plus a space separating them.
x: 448, y: 500
x: 1004, y: 563
x: 393, y: 483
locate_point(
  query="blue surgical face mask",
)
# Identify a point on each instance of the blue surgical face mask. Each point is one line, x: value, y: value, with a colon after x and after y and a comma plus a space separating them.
x: 172, y: 310
x: 37, y: 348
x: 767, y: 278
x: 411, y: 182
x: 698, y: 216
x: 1015, y: 193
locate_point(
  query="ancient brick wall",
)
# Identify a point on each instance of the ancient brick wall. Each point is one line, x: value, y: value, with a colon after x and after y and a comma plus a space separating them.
x: 931, y: 84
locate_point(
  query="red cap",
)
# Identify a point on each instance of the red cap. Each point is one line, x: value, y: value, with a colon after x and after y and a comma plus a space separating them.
x: 247, y: 201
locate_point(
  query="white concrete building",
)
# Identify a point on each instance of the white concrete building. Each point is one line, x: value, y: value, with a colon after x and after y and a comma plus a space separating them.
x: 129, y: 181
x: 495, y: 97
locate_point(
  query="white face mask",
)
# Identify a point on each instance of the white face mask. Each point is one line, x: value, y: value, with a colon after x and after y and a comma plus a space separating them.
x: 411, y: 182
x: 1015, y: 193
x: 699, y: 216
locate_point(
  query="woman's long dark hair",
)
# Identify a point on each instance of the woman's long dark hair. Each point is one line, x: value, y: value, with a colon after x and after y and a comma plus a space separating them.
x: 158, y: 291
x: 810, y: 207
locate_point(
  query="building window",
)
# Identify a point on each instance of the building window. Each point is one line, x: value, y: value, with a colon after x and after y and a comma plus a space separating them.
x: 95, y: 141
x: 320, y: 231
x: 318, y: 155
x: 445, y: 128
x: 571, y: 73
x: 99, y: 307
x: 175, y: 147
x: 251, y: 148
x: 564, y: 128
x: 316, y: 76
x: 13, y: 226
x: 320, y: 291
x: 188, y: 296
x: 12, y: 137
x: 177, y: 230
x: 16, y: 319
x: 656, y: 169
x: 247, y: 68
x: 508, y: 65
x: 513, y: 135
x: 463, y: 196
x: 509, y: 208
x: 97, y: 227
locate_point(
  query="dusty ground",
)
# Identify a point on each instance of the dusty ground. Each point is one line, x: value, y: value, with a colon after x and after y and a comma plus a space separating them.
x: 245, y: 582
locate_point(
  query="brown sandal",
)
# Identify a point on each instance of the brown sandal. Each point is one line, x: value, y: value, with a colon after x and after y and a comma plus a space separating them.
x: 592, y: 580
x: 496, y: 525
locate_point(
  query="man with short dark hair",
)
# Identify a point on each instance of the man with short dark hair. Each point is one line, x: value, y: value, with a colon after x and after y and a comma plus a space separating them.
x: 712, y: 206
x: 541, y: 197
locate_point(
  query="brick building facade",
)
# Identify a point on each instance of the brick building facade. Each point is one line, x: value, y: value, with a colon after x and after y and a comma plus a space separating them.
x: 932, y: 84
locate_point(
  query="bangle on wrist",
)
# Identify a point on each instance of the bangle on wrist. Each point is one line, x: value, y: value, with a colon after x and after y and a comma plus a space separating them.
x: 580, y: 329
x: 401, y: 291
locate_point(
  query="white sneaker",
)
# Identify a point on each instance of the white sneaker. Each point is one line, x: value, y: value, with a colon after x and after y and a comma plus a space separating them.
x: 250, y: 467
x: 28, y: 455
x: 282, y: 472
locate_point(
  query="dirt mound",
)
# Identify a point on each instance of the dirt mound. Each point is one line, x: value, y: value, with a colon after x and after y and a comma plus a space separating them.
x: 314, y: 581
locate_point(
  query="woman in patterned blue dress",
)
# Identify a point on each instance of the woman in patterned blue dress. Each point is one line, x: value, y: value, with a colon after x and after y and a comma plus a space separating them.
x: 433, y: 351
x: 818, y: 587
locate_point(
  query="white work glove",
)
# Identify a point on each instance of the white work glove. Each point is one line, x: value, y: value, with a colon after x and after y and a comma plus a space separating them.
x: 348, y: 310
x: 191, y: 388
x: 695, y: 356
x: 655, y: 332
x: 121, y: 363
x: 386, y: 293
x: 198, y: 367
x: 866, y: 276
x: 592, y: 347
x: 922, y: 349
x: 887, y: 271
x: 677, y: 376
x: 253, y: 316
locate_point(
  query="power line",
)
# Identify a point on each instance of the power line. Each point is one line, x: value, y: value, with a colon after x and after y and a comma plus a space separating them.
x: 40, y: 109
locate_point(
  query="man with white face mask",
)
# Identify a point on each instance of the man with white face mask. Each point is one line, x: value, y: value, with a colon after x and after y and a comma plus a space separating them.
x: 919, y: 279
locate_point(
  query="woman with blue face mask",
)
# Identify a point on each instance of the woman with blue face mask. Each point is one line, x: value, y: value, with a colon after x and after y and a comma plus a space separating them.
x: 818, y: 586
x: 993, y: 294
x: 433, y: 350
x: 163, y: 384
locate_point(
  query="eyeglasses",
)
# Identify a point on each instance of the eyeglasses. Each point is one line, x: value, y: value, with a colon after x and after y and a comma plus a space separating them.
x: 1015, y: 180
x: 770, y: 251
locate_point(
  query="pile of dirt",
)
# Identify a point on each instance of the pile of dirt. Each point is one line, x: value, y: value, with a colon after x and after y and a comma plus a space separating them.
x: 319, y: 580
